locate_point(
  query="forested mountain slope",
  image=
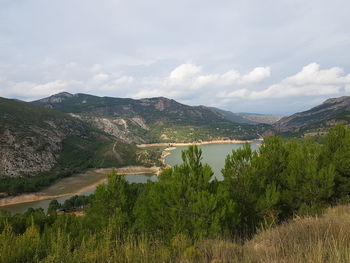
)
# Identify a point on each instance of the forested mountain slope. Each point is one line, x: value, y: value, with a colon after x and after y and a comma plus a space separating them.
x: 250, y: 118
x: 317, y: 119
x: 35, y: 139
x: 150, y: 120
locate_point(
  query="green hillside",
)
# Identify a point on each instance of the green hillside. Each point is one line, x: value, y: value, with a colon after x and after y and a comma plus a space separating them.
x: 273, y: 205
x: 39, y: 145
x: 151, y: 120
x: 316, y: 120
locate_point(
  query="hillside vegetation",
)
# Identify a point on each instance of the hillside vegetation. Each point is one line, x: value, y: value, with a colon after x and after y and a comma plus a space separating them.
x: 316, y: 120
x: 39, y: 145
x: 31, y: 137
x: 187, y: 217
x: 151, y: 120
x: 250, y: 118
x: 319, y: 239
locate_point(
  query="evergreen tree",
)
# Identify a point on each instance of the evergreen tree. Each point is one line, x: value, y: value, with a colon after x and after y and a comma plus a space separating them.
x: 183, y: 201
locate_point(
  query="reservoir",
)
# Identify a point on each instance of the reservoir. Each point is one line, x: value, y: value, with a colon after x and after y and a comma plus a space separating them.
x: 213, y: 154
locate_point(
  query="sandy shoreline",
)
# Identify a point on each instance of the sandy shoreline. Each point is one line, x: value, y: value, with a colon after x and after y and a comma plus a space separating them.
x: 132, y: 169
x: 39, y: 196
x: 174, y: 144
x: 27, y: 198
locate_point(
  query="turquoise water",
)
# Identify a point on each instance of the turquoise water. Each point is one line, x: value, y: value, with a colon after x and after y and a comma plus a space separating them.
x: 213, y: 154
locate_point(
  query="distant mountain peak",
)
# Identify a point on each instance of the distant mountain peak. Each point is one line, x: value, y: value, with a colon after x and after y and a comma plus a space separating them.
x: 163, y: 99
x: 343, y: 99
x: 56, y: 98
x: 148, y: 119
x: 248, y: 118
x: 64, y: 93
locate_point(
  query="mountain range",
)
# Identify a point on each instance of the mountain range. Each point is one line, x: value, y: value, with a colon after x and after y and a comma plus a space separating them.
x: 250, y: 118
x: 69, y: 132
x: 151, y: 120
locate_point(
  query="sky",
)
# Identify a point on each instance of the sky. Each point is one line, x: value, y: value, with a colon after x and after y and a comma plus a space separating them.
x: 271, y: 56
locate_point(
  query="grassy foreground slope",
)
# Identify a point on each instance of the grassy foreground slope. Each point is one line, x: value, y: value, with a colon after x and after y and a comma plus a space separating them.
x: 321, y: 239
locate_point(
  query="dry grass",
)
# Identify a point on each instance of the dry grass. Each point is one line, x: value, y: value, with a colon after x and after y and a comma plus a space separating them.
x: 324, y: 239
x: 313, y: 239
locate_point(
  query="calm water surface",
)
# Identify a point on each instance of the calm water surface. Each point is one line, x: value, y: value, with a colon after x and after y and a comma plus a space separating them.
x: 213, y: 154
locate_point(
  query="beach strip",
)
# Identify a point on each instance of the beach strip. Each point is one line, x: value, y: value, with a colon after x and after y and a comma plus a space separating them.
x: 174, y: 144
x: 39, y: 196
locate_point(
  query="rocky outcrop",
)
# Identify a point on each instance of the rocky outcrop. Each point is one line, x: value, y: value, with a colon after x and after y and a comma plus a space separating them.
x: 30, y: 154
x: 116, y: 127
x: 31, y: 137
x: 143, y: 112
x: 145, y: 120
x: 58, y: 97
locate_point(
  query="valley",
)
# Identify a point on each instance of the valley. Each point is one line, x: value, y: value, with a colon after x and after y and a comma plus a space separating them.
x: 65, y: 134
x: 174, y: 131
x: 85, y: 183
x: 218, y: 175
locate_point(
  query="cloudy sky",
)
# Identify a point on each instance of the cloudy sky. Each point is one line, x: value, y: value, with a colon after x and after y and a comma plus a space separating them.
x: 271, y: 56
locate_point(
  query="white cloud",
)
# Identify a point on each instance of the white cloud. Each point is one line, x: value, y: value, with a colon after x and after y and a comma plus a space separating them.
x: 191, y: 83
x: 96, y: 68
x: 48, y: 62
x: 145, y: 40
x: 311, y: 74
x: 184, y: 73
x: 124, y: 80
x: 50, y: 86
x: 256, y: 75
x: 109, y: 85
x: 190, y: 76
x: 71, y: 66
x: 205, y: 80
x: 230, y: 77
x: 284, y: 91
x: 102, y: 77
x: 240, y: 93
x: 30, y: 90
x: 310, y: 81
